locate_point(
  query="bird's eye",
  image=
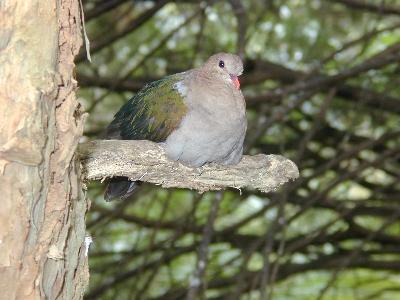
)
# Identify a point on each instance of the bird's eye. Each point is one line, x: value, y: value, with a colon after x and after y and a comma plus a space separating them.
x: 221, y: 64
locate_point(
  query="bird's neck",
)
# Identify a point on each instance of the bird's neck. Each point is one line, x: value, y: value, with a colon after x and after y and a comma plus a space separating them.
x: 215, y: 94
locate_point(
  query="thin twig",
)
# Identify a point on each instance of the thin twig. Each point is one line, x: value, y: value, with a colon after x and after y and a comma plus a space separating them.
x: 198, y: 284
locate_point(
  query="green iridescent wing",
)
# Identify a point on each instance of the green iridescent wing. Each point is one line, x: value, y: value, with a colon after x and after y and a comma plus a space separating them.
x: 152, y: 114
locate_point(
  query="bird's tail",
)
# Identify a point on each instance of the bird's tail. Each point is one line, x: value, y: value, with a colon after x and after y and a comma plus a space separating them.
x: 119, y: 187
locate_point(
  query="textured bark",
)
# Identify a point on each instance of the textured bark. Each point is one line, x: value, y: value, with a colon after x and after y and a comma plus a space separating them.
x: 146, y: 161
x: 42, y: 211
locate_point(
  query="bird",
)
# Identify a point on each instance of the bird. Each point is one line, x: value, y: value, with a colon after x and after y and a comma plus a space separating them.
x: 197, y: 116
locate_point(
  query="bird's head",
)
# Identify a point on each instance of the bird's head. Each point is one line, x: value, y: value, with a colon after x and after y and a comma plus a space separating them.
x: 226, y: 66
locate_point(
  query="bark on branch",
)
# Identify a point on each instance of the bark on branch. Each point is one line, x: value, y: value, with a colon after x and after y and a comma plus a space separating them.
x: 146, y: 161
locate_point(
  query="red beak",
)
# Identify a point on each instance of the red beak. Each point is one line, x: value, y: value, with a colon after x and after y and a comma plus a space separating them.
x: 235, y: 81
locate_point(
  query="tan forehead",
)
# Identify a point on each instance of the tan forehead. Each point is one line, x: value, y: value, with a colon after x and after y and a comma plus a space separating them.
x: 227, y: 57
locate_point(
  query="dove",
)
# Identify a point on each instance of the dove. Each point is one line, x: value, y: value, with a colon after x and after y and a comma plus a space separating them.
x: 198, y: 116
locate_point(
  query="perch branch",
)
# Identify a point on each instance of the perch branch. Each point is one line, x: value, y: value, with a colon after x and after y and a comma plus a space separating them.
x: 146, y: 161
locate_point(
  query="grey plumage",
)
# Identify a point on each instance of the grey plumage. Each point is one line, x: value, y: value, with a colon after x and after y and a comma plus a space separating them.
x: 214, y: 127
x: 209, y: 115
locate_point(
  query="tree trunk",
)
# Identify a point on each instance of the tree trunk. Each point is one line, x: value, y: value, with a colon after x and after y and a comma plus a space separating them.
x: 42, y: 210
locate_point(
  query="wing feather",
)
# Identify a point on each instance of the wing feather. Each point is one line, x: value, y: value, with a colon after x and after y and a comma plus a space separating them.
x: 153, y: 113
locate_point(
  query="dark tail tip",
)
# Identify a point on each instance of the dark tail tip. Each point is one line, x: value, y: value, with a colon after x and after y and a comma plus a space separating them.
x: 119, y: 188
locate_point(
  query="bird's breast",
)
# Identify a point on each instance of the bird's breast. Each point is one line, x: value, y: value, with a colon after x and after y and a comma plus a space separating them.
x: 219, y: 102
x: 213, y: 128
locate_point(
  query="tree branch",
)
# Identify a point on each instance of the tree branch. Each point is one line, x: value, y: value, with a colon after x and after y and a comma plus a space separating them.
x: 373, y: 8
x: 105, y: 41
x: 101, y: 8
x: 146, y: 161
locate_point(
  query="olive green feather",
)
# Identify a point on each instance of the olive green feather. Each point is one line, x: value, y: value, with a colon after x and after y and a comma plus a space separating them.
x: 152, y: 114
